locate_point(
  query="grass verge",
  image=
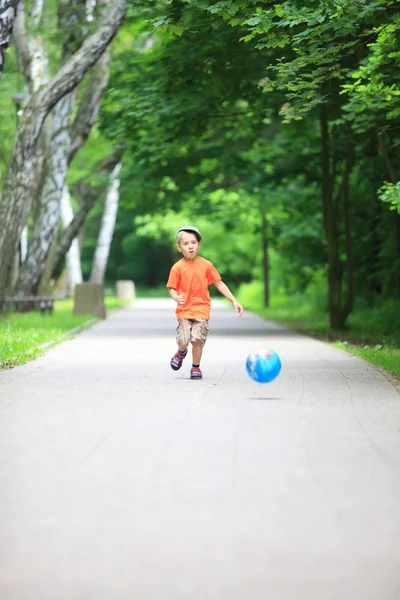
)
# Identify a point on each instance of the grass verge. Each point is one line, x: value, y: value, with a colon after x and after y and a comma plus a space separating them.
x: 25, y: 336
x: 372, y: 334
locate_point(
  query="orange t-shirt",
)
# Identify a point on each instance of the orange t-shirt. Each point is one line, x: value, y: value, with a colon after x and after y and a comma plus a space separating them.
x: 192, y: 279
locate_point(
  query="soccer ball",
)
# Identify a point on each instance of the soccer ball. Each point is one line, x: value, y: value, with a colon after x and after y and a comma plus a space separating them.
x: 263, y: 365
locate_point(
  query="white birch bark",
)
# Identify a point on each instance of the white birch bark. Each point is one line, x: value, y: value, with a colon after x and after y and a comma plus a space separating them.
x: 73, y: 256
x: 90, y: 104
x: 30, y: 50
x: 8, y: 12
x: 39, y: 60
x: 24, y: 244
x: 60, y: 153
x: 37, y: 10
x: 107, y: 228
x: 33, y: 65
x: 48, y: 212
x: 17, y: 192
x: 88, y: 196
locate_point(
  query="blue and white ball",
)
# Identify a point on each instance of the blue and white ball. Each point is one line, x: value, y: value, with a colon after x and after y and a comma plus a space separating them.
x: 263, y: 365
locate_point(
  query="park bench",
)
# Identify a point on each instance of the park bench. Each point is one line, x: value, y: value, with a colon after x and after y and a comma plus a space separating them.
x: 45, y: 303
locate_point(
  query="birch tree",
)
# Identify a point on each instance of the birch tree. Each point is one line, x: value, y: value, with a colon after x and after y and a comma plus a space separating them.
x: 16, y: 201
x: 73, y: 256
x: 64, y: 143
x: 88, y: 196
x: 107, y: 228
x: 8, y: 11
x: 31, y: 56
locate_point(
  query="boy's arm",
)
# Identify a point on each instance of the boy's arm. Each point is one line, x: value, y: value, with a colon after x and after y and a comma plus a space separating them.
x: 225, y: 291
x: 179, y: 298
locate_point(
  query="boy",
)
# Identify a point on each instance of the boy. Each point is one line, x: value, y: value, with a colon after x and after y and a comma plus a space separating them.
x: 188, y: 284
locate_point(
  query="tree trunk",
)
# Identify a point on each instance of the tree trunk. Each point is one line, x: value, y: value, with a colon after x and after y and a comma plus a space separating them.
x: 388, y: 163
x: 32, y: 62
x: 106, y: 229
x: 48, y: 213
x: 71, y: 232
x: 8, y: 11
x: 73, y: 257
x: 329, y: 208
x: 60, y: 153
x: 66, y: 141
x: 396, y: 216
x: 19, y: 258
x: 265, y: 258
x: 88, y: 198
x: 16, y: 201
x: 350, y: 292
x: 90, y: 104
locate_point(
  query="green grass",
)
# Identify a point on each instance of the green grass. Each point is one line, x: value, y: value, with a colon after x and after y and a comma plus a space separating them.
x: 23, y: 334
x: 372, y: 333
x: 386, y: 357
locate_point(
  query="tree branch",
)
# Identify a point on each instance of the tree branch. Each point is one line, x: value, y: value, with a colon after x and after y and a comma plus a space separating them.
x: 72, y: 72
x: 89, y: 105
x: 89, y: 196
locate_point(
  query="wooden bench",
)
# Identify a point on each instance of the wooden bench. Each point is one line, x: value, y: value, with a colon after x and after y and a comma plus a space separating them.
x: 45, y: 303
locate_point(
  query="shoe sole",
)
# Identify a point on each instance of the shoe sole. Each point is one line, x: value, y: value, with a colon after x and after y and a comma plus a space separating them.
x: 175, y: 368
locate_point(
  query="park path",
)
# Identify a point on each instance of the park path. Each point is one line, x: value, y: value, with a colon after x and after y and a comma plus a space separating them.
x: 123, y: 480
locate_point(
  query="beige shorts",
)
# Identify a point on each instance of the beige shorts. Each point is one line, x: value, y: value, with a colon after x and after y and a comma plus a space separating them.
x: 191, y: 330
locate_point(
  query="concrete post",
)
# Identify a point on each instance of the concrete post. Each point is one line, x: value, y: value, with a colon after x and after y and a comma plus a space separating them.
x: 126, y: 290
x: 89, y: 300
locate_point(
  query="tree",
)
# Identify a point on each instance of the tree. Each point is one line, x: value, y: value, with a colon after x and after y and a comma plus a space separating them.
x: 8, y: 11
x: 107, y: 228
x: 16, y: 199
x: 197, y: 122
x: 65, y: 139
x: 323, y: 42
x: 88, y: 193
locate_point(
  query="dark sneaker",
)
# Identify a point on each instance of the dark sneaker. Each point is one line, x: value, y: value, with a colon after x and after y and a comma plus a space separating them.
x: 177, y: 359
x: 195, y: 373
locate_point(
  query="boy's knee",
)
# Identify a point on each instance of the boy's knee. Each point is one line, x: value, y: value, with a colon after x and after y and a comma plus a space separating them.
x: 199, y: 334
x: 182, y: 341
x: 183, y: 333
x: 198, y: 342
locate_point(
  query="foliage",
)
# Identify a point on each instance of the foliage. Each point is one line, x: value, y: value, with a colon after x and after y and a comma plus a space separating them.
x: 318, y: 41
x: 11, y: 84
x: 216, y: 107
x: 375, y: 87
x: 390, y: 193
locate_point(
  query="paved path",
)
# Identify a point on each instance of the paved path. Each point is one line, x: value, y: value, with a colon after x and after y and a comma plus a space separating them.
x: 122, y: 480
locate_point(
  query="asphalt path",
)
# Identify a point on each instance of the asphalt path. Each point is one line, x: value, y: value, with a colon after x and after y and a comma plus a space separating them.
x: 121, y: 479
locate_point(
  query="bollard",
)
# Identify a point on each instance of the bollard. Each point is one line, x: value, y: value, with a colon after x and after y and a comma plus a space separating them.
x: 125, y: 290
x: 89, y: 300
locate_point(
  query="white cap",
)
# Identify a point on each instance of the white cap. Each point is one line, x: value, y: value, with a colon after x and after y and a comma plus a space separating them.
x: 191, y: 229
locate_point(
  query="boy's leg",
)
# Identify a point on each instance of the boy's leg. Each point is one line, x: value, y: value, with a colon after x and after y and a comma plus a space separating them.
x: 183, y: 330
x: 198, y: 338
x: 182, y: 339
x: 197, y: 351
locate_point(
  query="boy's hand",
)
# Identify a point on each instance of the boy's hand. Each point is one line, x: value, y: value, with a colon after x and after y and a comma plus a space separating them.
x: 181, y: 299
x: 238, y: 307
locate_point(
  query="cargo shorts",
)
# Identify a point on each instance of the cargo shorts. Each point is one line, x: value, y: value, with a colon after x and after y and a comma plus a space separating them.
x: 191, y: 330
